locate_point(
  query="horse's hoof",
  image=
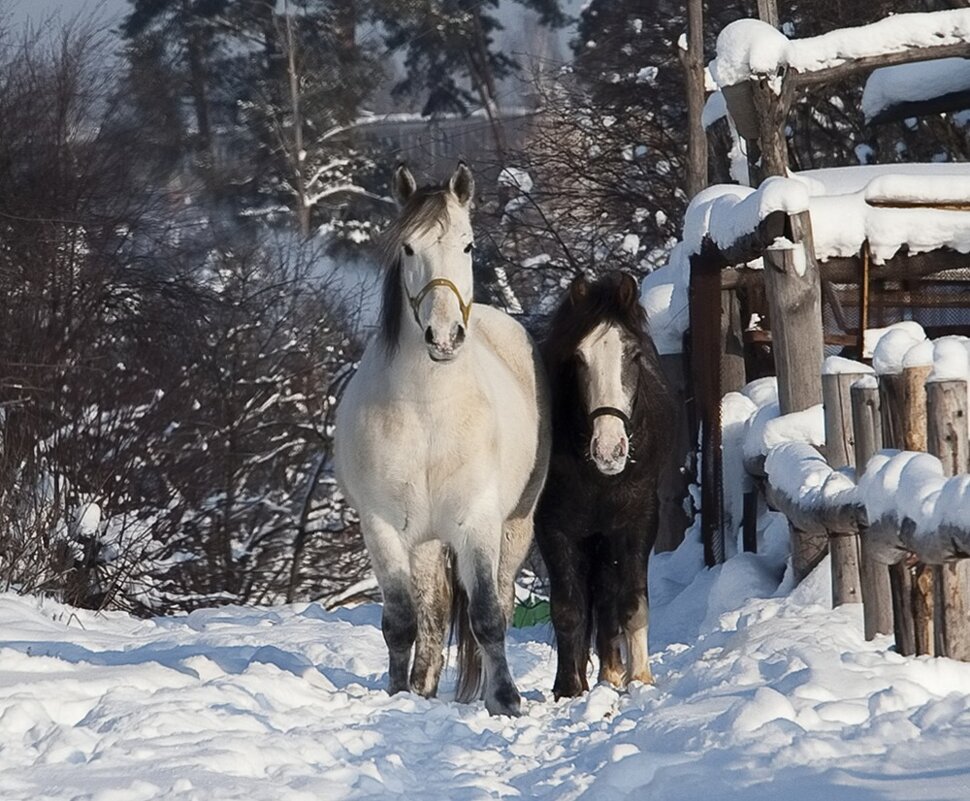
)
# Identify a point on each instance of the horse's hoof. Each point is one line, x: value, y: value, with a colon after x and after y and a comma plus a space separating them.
x: 612, y: 676
x: 568, y: 689
x: 505, y: 701
x: 644, y: 677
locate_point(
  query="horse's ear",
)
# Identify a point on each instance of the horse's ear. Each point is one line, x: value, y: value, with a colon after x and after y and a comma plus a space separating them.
x: 462, y: 184
x: 403, y: 184
x: 578, y: 289
x: 628, y: 290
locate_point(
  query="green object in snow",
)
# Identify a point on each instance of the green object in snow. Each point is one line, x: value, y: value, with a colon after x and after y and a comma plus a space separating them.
x: 531, y: 613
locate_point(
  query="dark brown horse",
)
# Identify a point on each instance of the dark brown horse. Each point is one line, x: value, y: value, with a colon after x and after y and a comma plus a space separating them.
x: 613, y: 416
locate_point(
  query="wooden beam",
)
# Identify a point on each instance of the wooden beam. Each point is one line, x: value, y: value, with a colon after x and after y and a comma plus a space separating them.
x: 951, y: 101
x: 840, y: 269
x: 855, y: 66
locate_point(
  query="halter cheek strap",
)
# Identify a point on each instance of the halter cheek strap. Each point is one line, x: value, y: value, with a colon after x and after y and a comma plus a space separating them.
x: 466, y: 308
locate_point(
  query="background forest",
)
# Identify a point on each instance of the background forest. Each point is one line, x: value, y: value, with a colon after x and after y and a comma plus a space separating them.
x: 188, y: 198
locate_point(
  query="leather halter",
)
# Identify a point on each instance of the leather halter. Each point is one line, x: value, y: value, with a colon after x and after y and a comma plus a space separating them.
x: 466, y: 308
x: 612, y: 411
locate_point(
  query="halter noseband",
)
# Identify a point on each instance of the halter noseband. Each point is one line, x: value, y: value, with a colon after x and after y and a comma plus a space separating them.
x: 601, y: 411
x: 466, y: 308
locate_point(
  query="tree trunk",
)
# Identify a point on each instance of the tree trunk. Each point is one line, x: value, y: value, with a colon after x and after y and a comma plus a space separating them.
x: 694, y: 67
x: 197, y: 81
x: 297, y: 154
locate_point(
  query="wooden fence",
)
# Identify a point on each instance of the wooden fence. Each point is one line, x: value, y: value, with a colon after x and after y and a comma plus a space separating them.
x: 913, y: 582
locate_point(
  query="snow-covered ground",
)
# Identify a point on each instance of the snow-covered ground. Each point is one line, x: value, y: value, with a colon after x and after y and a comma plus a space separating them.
x: 761, y: 693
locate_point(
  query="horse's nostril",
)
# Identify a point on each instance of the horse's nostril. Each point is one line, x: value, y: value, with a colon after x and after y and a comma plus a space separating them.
x: 618, y: 451
x: 428, y: 335
x: 460, y: 335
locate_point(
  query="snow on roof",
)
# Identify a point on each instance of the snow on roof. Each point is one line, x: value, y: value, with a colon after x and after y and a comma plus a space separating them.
x: 912, y: 83
x: 749, y: 47
x: 728, y: 212
x: 840, y: 201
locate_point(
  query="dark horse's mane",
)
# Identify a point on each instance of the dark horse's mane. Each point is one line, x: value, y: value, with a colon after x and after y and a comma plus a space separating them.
x: 607, y: 300
x: 426, y: 207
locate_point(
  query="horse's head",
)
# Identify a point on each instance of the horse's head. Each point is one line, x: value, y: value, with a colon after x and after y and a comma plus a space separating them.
x: 608, y: 367
x: 434, y: 244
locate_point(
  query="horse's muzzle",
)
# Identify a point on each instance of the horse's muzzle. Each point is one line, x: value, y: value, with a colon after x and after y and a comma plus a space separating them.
x: 610, y: 457
x: 444, y: 349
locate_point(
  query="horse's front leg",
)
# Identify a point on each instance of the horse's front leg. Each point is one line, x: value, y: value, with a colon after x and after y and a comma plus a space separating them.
x: 432, y: 590
x: 635, y: 610
x: 399, y: 622
x: 478, y: 563
x: 608, y: 629
x: 568, y: 566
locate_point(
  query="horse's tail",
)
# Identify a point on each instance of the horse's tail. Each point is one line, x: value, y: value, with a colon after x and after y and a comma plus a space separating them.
x: 470, y: 678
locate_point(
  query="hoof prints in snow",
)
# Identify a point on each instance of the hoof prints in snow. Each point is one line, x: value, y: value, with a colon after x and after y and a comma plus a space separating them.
x: 769, y: 697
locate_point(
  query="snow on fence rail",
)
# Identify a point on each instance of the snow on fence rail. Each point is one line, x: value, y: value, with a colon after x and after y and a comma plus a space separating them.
x: 886, y: 488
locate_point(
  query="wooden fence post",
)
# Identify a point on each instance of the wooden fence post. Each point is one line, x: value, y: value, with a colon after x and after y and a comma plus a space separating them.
x: 892, y: 403
x: 914, y: 439
x: 839, y: 448
x: 876, y: 596
x: 794, y: 296
x: 946, y: 404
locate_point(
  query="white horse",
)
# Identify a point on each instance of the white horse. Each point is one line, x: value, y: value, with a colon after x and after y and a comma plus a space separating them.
x: 442, y: 446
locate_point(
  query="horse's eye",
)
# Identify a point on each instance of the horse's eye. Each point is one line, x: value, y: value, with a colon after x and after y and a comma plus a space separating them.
x: 408, y: 249
x: 469, y: 247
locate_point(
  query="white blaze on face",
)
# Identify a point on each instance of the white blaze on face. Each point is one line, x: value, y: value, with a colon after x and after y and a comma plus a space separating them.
x: 441, y: 253
x: 602, y: 356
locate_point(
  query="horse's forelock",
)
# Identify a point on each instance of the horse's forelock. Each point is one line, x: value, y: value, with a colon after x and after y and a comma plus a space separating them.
x: 426, y: 208
x: 602, y: 303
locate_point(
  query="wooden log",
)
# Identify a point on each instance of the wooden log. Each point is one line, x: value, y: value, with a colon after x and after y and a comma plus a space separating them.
x: 839, y: 434
x: 768, y: 12
x: 946, y: 405
x: 924, y: 604
x: 795, y: 307
x: 946, y: 424
x: 953, y: 603
x: 866, y: 427
x: 892, y: 403
x: 914, y: 407
x: 733, y: 376
x: 904, y: 625
x: 876, y: 595
x: 839, y: 452
x: 912, y: 611
x: 772, y: 109
x: 914, y: 439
